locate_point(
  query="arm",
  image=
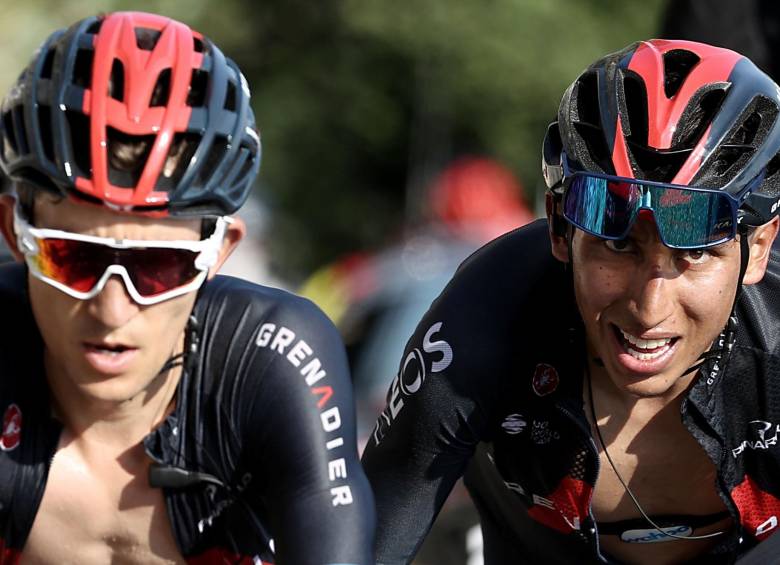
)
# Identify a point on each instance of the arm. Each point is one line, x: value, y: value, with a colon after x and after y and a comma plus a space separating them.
x: 424, y: 437
x: 302, y: 442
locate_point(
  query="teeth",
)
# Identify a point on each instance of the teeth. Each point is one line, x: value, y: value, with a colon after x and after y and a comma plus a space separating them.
x: 645, y: 344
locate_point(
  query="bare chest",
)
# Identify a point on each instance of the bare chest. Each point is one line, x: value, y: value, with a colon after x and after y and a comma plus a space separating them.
x: 100, y: 510
x: 669, y: 474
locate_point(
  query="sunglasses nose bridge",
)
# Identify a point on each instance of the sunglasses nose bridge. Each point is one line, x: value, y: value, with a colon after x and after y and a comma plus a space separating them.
x: 113, y: 303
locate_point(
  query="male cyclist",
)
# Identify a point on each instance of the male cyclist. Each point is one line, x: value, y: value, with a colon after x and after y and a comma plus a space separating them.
x: 607, y: 380
x: 152, y: 411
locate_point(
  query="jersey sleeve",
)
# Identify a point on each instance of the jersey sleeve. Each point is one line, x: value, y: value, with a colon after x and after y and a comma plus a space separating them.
x: 301, y: 426
x: 447, y: 396
x: 427, y: 432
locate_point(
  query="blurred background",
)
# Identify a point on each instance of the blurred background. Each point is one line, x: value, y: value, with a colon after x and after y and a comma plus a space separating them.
x: 398, y: 137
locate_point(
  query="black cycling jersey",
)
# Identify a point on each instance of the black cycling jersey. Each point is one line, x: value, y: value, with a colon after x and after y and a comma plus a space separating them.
x: 492, y: 379
x: 259, y: 451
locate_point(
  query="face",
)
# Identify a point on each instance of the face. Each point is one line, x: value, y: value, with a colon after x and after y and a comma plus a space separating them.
x: 650, y: 311
x: 109, y: 347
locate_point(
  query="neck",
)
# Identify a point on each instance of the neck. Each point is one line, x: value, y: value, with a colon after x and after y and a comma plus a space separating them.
x: 624, y: 405
x: 120, y: 422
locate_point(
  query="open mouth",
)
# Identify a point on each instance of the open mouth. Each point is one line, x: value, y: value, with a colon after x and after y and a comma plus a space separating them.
x: 107, y: 349
x: 643, y: 349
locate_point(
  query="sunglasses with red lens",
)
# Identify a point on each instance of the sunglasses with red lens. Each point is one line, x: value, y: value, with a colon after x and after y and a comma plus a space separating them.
x: 152, y: 271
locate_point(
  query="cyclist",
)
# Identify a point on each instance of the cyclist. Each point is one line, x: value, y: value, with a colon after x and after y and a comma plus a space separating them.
x: 607, y: 379
x: 152, y: 411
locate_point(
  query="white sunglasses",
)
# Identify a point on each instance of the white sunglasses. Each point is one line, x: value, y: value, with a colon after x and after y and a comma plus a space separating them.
x: 80, y: 265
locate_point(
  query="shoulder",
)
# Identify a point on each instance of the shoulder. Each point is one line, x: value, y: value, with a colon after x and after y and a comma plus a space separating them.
x: 503, y: 311
x: 229, y: 300
x: 510, y: 287
x: 237, y: 316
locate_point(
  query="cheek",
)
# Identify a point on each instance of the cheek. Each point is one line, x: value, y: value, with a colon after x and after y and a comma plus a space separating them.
x: 164, y: 323
x: 53, y: 311
x: 596, y: 288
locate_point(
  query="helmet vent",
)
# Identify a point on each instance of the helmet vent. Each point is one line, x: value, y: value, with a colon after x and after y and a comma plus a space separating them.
x: 48, y: 64
x: 116, y: 85
x: 678, y: 64
x: 198, y: 45
x: 127, y: 155
x: 146, y: 38
x: 230, y: 97
x: 771, y: 185
x: 94, y: 27
x: 44, y: 124
x: 179, y: 156
x: 588, y: 121
x: 9, y: 139
x: 697, y: 118
x: 196, y: 97
x: 162, y: 89
x: 636, y: 107
x: 82, y: 68
x: 218, y: 149
x: 747, y: 130
x: 773, y: 166
x: 79, y: 127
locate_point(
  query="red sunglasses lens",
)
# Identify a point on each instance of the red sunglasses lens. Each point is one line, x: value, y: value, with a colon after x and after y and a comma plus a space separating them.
x: 80, y: 265
x: 76, y: 264
x: 157, y: 270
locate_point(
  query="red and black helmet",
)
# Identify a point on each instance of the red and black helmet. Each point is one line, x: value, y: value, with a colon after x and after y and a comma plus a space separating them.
x: 160, y: 92
x: 673, y: 111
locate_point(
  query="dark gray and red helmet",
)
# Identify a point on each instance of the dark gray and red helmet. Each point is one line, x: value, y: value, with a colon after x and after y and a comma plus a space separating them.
x: 677, y: 112
x: 145, y: 82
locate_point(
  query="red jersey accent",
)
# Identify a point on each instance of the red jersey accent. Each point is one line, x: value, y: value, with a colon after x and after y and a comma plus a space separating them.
x: 758, y: 510
x: 565, y: 508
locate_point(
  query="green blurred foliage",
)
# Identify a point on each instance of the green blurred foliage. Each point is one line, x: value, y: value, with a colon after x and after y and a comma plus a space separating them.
x: 362, y: 102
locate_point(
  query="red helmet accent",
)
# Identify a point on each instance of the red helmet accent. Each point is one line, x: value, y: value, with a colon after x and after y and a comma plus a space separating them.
x: 134, y: 114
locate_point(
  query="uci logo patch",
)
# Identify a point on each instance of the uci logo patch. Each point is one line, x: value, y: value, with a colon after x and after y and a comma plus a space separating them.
x: 545, y: 379
x: 12, y: 428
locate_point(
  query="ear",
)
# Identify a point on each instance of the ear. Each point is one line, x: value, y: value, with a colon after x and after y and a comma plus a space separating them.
x: 235, y: 232
x: 558, y: 229
x: 7, y: 203
x: 760, y: 245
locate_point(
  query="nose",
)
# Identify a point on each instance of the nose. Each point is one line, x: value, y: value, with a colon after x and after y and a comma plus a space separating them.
x: 653, y: 293
x: 113, y: 306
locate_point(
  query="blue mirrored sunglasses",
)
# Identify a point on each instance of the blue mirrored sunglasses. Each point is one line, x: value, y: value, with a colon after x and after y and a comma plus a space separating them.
x: 687, y: 218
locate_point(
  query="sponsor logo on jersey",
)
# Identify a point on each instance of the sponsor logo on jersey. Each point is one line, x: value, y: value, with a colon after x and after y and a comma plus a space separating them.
x: 302, y: 357
x: 12, y: 428
x: 767, y: 526
x: 542, y: 433
x: 651, y: 535
x: 514, y: 424
x: 433, y: 357
x: 761, y: 436
x: 545, y: 379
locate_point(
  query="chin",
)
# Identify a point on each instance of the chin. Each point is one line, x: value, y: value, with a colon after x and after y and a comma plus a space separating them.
x: 648, y: 386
